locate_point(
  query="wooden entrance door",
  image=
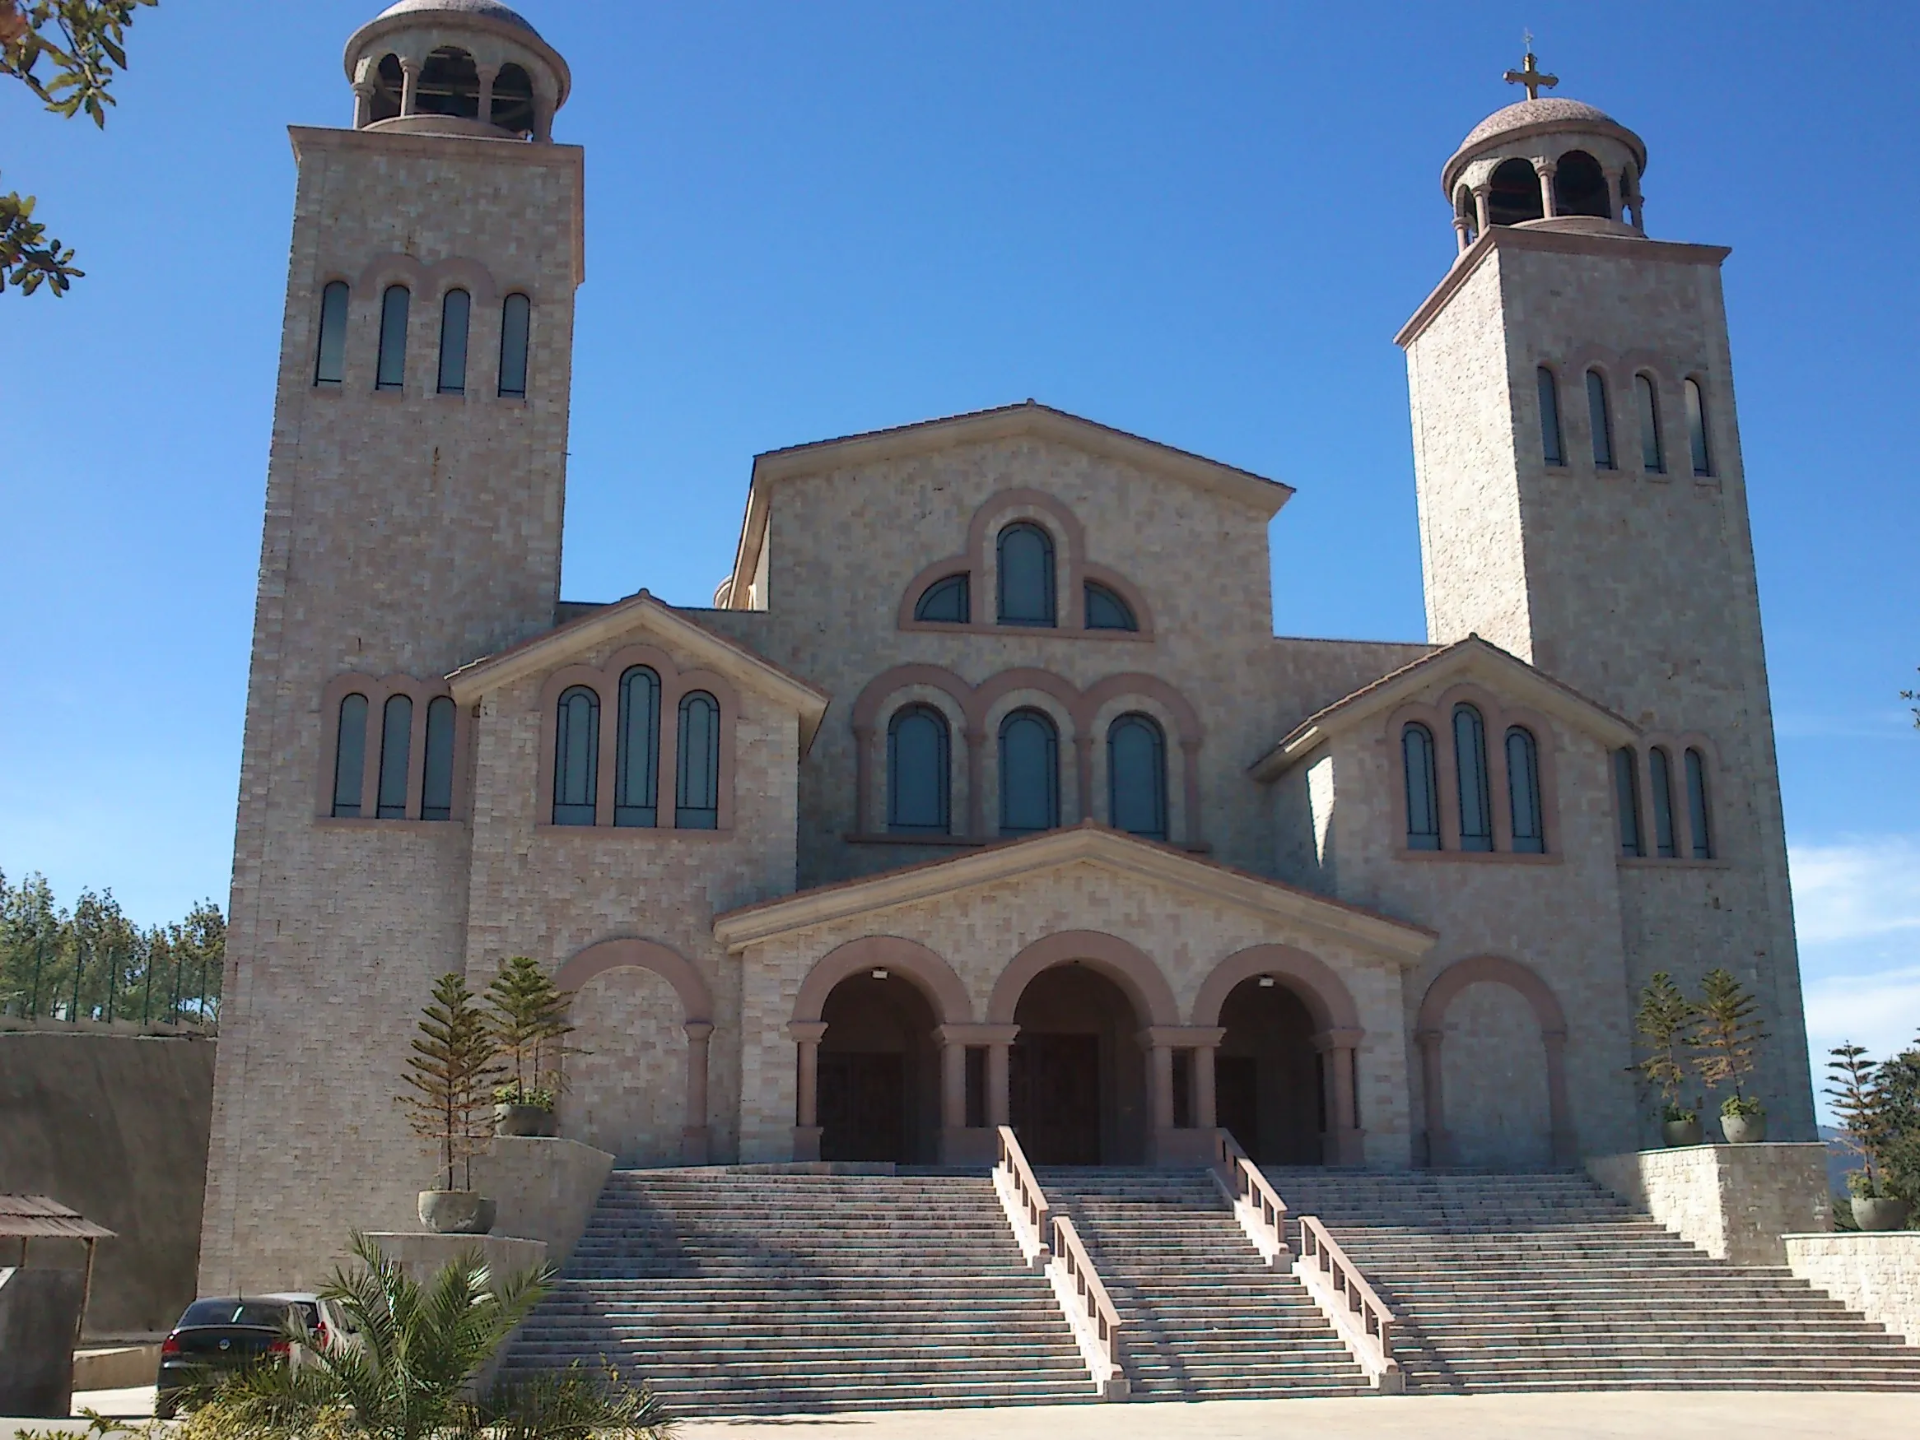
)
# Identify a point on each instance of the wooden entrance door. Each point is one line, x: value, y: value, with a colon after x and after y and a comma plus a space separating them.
x: 1236, y: 1100
x: 862, y: 1108
x: 1054, y: 1098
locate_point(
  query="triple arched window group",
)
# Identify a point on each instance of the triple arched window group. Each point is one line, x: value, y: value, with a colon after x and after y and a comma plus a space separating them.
x: 637, y: 779
x: 1026, y: 590
x: 1600, y: 426
x: 1665, y: 793
x: 456, y: 313
x: 1473, y: 788
x: 920, y: 770
x: 386, y: 735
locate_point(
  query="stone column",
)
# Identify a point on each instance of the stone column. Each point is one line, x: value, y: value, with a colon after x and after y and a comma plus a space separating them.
x: 543, y: 107
x: 1545, y: 170
x: 1190, y: 773
x: 1439, y: 1147
x: 410, y: 87
x: 488, y: 74
x: 976, y: 786
x: 362, y: 104
x: 1460, y: 232
x: 1187, y: 1144
x: 1614, y: 210
x: 1566, y: 1145
x: 806, y: 1131
x: 1346, y: 1141
x: 961, y: 1143
x: 1480, y: 194
x: 693, y: 1136
x: 862, y: 779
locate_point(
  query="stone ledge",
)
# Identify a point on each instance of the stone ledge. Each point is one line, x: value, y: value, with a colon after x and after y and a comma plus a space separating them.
x: 1733, y: 1201
x: 1876, y: 1273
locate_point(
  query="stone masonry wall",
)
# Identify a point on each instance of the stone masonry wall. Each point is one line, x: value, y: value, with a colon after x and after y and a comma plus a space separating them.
x: 1875, y: 1274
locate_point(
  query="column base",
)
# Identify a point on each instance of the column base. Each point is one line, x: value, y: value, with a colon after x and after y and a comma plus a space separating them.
x: 806, y: 1142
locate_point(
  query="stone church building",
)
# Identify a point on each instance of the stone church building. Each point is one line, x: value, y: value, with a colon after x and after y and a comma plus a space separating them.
x: 983, y: 791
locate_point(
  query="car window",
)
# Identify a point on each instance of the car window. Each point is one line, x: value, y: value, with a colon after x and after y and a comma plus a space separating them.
x: 262, y: 1314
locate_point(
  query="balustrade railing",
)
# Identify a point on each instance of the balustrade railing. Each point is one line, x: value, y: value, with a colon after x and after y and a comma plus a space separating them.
x: 1026, y: 1202
x: 1261, y: 1211
x: 1361, y: 1316
x: 1099, y: 1321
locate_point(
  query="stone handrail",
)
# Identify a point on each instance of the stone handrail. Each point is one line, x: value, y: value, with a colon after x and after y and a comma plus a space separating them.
x: 1024, y: 1201
x: 1344, y: 1296
x: 1256, y: 1204
x: 1096, y: 1323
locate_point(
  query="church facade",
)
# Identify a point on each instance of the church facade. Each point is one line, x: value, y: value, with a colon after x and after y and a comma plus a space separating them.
x: 983, y: 792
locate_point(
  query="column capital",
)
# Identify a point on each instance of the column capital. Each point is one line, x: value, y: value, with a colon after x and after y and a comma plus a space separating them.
x: 807, y: 1031
x: 970, y: 1034
x: 1546, y: 167
x: 1344, y: 1038
x: 1425, y: 1038
x: 698, y: 1030
x: 409, y: 65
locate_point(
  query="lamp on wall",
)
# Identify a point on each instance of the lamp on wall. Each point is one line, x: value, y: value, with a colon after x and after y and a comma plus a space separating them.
x: 1266, y: 982
x: 879, y: 974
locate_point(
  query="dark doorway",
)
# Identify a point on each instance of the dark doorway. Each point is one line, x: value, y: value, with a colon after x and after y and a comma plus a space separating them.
x: 1267, y: 1076
x: 1077, y: 1077
x: 879, y: 1091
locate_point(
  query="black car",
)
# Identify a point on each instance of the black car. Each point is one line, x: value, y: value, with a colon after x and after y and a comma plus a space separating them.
x: 220, y: 1335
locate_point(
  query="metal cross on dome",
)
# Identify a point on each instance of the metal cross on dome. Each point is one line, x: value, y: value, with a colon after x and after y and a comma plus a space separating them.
x: 1530, y: 75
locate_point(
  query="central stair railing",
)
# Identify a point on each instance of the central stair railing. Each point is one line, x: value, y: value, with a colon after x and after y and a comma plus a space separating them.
x: 1050, y: 1241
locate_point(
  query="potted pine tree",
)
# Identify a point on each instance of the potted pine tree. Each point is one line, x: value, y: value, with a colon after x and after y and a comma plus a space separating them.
x: 1664, y: 1021
x: 528, y: 1017
x: 450, y: 1079
x: 1861, y: 1103
x: 1725, y: 1041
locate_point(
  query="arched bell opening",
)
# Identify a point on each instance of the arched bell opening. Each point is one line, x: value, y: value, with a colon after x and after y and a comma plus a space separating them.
x: 1580, y: 187
x: 1269, y: 1085
x: 389, y: 81
x: 1467, y: 214
x: 1514, y: 196
x: 513, y: 100
x: 449, y: 85
x: 1077, y: 1082
x: 879, y: 1072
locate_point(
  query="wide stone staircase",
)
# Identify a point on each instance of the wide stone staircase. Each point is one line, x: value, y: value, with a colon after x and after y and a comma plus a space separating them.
x: 1202, y: 1317
x: 778, y: 1293
x: 1548, y: 1282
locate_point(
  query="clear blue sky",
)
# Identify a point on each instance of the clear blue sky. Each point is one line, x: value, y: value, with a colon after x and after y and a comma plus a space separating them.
x: 1199, y: 222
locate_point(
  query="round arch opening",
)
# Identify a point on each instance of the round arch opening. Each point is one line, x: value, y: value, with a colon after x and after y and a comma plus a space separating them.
x: 1077, y: 1081
x: 879, y: 1071
x: 1513, y: 195
x: 1269, y: 1081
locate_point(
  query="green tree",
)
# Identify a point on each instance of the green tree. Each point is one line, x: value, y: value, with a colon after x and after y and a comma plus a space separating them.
x: 451, y: 1074
x: 1860, y: 1103
x: 1727, y: 1037
x: 1665, y: 1019
x: 65, y: 52
x: 529, y: 1020
x: 1899, y: 1080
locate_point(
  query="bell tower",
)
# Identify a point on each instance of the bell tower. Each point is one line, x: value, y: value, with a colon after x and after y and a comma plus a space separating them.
x: 1582, y: 504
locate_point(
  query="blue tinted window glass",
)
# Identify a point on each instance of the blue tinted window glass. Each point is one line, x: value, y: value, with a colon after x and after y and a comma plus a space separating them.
x: 454, y: 313
x: 1660, y: 772
x: 918, y: 772
x: 436, y: 780
x: 330, y: 366
x: 635, y: 786
x: 1697, y: 805
x: 697, y: 802
x: 1626, y: 793
x: 1470, y: 765
x: 515, y: 317
x: 1523, y: 793
x: 350, y: 757
x: 1026, y: 576
x: 946, y: 601
x: 1423, y: 791
x: 1107, y: 611
x: 392, y: 373
x: 1029, y: 773
x: 576, y: 758
x: 396, y: 740
x: 1137, y: 777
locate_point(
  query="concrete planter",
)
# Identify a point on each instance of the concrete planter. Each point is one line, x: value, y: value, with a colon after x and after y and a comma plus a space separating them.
x: 1744, y: 1129
x: 456, y: 1212
x: 1680, y: 1132
x: 1881, y: 1213
x: 524, y: 1120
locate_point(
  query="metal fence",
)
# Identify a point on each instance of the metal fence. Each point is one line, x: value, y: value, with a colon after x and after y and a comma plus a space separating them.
x: 51, y: 979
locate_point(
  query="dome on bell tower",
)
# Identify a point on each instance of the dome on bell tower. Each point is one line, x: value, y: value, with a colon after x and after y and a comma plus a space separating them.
x: 1546, y: 162
x: 455, y: 67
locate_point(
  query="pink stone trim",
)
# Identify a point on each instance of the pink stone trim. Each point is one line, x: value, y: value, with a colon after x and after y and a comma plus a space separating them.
x: 1498, y: 717
x: 1125, y: 964
x: 696, y: 998
x: 1676, y: 744
x: 1316, y: 983
x: 933, y: 975
x: 378, y: 691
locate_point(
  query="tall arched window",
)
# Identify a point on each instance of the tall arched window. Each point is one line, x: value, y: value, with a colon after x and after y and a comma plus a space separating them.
x: 576, y: 758
x: 1598, y: 419
x: 1660, y: 772
x: 350, y: 758
x: 1029, y: 773
x: 1423, y: 788
x: 454, y: 313
x: 1470, y: 766
x: 516, y: 315
x: 436, y: 779
x: 1697, y: 429
x: 919, y: 771
x: 1626, y: 796
x: 697, y: 798
x: 396, y: 741
x: 636, y: 796
x: 1026, y: 575
x: 392, y: 371
x: 1523, y: 792
x: 1697, y: 805
x: 1553, y: 451
x: 1106, y: 610
x: 1137, y: 776
x: 948, y: 601
x: 330, y: 363
x: 1652, y: 457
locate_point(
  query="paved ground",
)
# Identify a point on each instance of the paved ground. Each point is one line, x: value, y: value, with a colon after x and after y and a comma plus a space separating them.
x: 1617, y: 1415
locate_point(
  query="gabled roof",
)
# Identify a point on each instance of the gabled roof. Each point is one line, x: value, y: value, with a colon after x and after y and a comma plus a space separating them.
x: 641, y: 614
x: 975, y: 427
x: 1087, y: 843
x: 1480, y: 659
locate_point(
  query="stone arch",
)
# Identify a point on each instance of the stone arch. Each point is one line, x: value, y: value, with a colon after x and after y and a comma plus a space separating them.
x: 1125, y: 964
x: 951, y: 1003
x: 1430, y: 1034
x: 1317, y: 983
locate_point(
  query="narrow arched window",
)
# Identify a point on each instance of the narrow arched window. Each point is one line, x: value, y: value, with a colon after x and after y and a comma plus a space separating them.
x: 436, y: 778
x: 637, y: 760
x: 576, y: 758
x: 1697, y: 429
x: 1652, y: 457
x: 1660, y: 772
x: 1026, y: 575
x: 392, y: 371
x: 1137, y: 776
x: 350, y: 758
x: 1626, y: 797
x: 516, y: 315
x: 1106, y: 610
x: 947, y: 602
x: 697, y: 799
x: 330, y: 363
x: 455, y: 311
x: 1423, y: 788
x: 1470, y: 766
x: 1523, y: 792
x: 919, y: 772
x: 1029, y: 773
x: 1597, y: 418
x: 1552, y: 450
x: 1697, y: 805
x: 396, y: 743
